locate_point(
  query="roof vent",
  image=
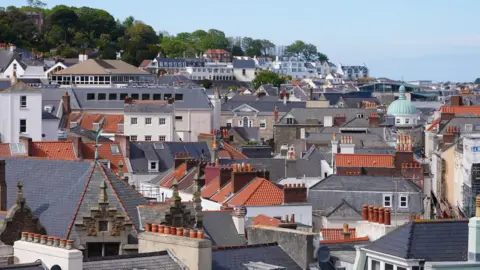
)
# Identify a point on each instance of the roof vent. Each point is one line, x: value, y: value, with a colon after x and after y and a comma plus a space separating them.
x: 158, y: 146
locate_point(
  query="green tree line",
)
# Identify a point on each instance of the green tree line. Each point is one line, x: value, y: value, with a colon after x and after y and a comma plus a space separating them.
x: 68, y: 31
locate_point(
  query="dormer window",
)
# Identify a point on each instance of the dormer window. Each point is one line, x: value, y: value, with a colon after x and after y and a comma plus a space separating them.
x: 153, y: 165
x: 290, y: 120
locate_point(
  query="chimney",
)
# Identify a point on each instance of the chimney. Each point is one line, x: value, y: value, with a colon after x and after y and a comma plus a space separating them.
x: 212, y: 171
x: 275, y: 114
x: 191, y: 163
x: 224, y: 176
x: 263, y: 174
x: 373, y: 120
x: 346, y: 232
x: 80, y: 57
x: 14, y: 78
x: 188, y: 245
x: 446, y: 114
x: 238, y: 216
x: 27, y: 142
x: 67, y: 109
x: 311, y: 93
x: 3, y: 186
x: 339, y: 120
x: 346, y: 145
x: 242, y: 175
x: 124, y: 142
x: 375, y: 222
x: 77, y: 147
x: 456, y: 101
x: 180, y: 158
x: 52, y: 251
x: 449, y: 135
x: 474, y: 234
x: 294, y: 193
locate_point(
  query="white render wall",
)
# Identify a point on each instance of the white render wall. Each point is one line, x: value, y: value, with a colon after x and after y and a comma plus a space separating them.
x: 11, y: 113
x: 154, y: 129
x: 8, y: 73
x: 192, y: 124
x: 29, y: 252
x: 303, y: 212
x: 50, y: 129
x: 248, y: 77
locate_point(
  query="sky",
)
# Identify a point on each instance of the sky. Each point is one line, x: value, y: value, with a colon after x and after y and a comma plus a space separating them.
x: 435, y: 40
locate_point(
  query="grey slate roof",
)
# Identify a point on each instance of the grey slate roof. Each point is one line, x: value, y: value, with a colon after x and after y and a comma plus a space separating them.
x: 355, y: 191
x: 48, y: 116
x: 149, y: 108
x: 439, y: 241
x: 25, y: 266
x: 6, y: 58
x: 146, y: 261
x: 86, y: 135
x: 256, y: 151
x: 243, y: 63
x: 247, y: 133
x: 301, y: 115
x: 461, y: 121
x: 140, y: 152
x: 4, y: 84
x: 269, y: 89
x: 235, y: 258
x: 264, y: 104
x: 218, y: 225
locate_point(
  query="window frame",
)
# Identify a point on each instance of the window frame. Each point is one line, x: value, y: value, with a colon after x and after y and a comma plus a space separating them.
x: 148, y: 138
x: 24, y: 125
x: 400, y: 197
x: 148, y: 121
x: 264, y: 123
x: 162, y: 121
x: 133, y: 121
x: 23, y: 102
x: 133, y: 138
x: 384, y: 196
x: 162, y: 138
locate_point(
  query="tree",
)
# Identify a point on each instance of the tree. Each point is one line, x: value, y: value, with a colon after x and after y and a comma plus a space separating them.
x: 36, y: 4
x: 267, y: 45
x: 477, y: 81
x: 256, y: 47
x: 307, y: 52
x: 65, y: 18
x: 93, y: 23
x: 206, y: 83
x: 17, y: 28
x: 268, y: 77
x: 173, y: 47
x: 139, y: 43
x: 322, y: 57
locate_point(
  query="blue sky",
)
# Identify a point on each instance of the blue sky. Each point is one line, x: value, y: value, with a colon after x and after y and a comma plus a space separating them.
x: 426, y: 39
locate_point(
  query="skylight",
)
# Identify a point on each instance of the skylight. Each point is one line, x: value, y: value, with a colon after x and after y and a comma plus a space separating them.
x: 114, y: 149
x: 17, y: 149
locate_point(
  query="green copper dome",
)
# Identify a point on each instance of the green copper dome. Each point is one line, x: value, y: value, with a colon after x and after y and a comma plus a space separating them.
x: 402, y: 106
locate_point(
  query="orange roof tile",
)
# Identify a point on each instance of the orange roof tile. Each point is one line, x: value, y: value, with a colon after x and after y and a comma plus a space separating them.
x: 209, y: 190
x: 296, y: 83
x: 336, y: 234
x: 110, y: 124
x: 359, y: 239
x: 5, y: 150
x: 266, y: 221
x: 461, y: 109
x: 145, y: 63
x: 259, y: 192
x: 177, y: 174
x: 234, y: 152
x: 364, y: 160
x: 216, y: 51
x: 54, y: 150
x: 88, y: 119
x: 223, y: 194
x: 433, y: 125
x: 105, y: 152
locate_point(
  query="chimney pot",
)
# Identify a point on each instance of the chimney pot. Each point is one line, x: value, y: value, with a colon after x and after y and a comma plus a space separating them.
x: 161, y: 229
x: 375, y: 214
x: 43, y: 239
x: 370, y: 213
x: 173, y: 230
x: 193, y: 233
x: 365, y: 212
x: 292, y: 219
x: 200, y: 235
x: 24, y: 236
x: 166, y: 230
x: 50, y: 240
x: 179, y: 231
x: 387, y: 217
x: 381, y: 215
x: 152, y: 227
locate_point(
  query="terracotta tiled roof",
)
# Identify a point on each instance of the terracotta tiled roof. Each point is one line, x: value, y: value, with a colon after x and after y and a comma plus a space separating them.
x: 266, y: 221
x: 336, y: 234
x: 145, y: 63
x: 351, y: 240
x: 296, y: 83
x: 212, y: 187
x: 216, y: 51
x: 177, y: 174
x: 54, y: 150
x: 364, y: 160
x: 461, y: 109
x: 224, y: 154
x: 258, y: 193
x: 110, y: 124
x: 223, y: 194
x: 433, y: 125
x: 5, y: 150
x: 234, y: 152
x: 105, y: 152
x: 88, y: 120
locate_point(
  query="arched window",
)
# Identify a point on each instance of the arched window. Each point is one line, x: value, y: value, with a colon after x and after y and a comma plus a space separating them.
x: 246, y: 122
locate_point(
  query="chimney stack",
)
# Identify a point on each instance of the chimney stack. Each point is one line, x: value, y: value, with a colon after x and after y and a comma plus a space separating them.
x: 14, y: 78
x: 238, y: 216
x: 275, y: 114
x: 77, y: 147
x: 180, y: 158
x: 27, y: 142
x: 339, y: 120
x: 242, y: 175
x: 346, y: 232
x: 3, y: 186
x: 294, y: 193
x: 124, y: 142
x: 67, y: 109
x: 373, y: 120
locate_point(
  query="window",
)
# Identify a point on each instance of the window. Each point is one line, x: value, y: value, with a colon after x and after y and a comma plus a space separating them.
x: 244, y: 72
x: 231, y: 138
x: 123, y: 96
x: 178, y: 97
x: 401, y: 268
x: 134, y: 96
x: 263, y: 124
x: 148, y: 121
x: 102, y: 249
x: 145, y: 96
x: 23, y: 101
x: 23, y: 125
x: 375, y: 265
x: 397, y: 120
x: 133, y: 138
x: 178, y: 118
x: 387, y: 200
x: 407, y: 121
x: 290, y: 120
x: 403, y: 203
x: 148, y: 138
x: 133, y: 121
x: 153, y: 166
x: 157, y: 97
x: 103, y: 226
x: 388, y: 266
x: 246, y: 122
x: 90, y: 96
x: 115, y: 149
x: 229, y: 123
x: 162, y: 138
x: 102, y: 96
x: 14, y: 67
x: 105, y: 163
x: 112, y: 96
x: 161, y: 121
x: 167, y: 96
x: 468, y: 127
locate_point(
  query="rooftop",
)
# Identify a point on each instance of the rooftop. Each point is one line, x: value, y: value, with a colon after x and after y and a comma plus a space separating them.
x: 364, y: 160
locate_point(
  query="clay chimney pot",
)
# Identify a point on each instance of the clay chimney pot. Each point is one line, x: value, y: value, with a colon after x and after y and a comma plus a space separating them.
x: 365, y: 212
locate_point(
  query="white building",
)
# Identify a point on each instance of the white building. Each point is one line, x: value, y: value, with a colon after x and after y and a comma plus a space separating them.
x: 214, y: 71
x: 149, y: 121
x: 21, y: 113
x: 244, y: 70
x: 353, y: 72
x: 293, y: 66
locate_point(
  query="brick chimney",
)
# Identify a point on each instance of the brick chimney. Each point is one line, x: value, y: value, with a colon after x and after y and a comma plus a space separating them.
x: 77, y: 147
x: 3, y: 186
x: 375, y: 223
x: 275, y: 114
x: 294, y: 193
x: 225, y: 174
x: 124, y: 142
x: 242, y: 175
x: 211, y: 172
x: 27, y: 141
x: 189, y: 246
x: 180, y: 158
x: 191, y: 163
x: 456, y: 101
x: 263, y: 174
x: 404, y: 152
x: 346, y: 232
x: 446, y: 114
x: 339, y: 120
x: 67, y: 109
x: 373, y: 120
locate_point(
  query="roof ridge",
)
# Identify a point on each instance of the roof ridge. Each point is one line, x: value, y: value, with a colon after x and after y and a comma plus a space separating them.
x: 410, y: 238
x: 81, y: 201
x: 245, y: 187
x: 234, y: 149
x: 245, y: 246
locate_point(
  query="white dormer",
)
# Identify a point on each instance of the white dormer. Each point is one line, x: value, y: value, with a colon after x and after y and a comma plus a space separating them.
x: 153, y: 166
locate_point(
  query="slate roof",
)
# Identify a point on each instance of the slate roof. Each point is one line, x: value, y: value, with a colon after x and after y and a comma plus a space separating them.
x: 102, y: 67
x: 429, y: 241
x: 263, y: 105
x: 269, y: 89
x: 145, y: 261
x: 38, y: 265
x: 48, y: 116
x: 165, y: 152
x: 301, y: 115
x: 149, y: 107
x: 247, y: 133
x: 257, y: 151
x: 236, y: 257
x: 243, y: 63
x: 6, y: 57
x: 219, y: 226
x: 20, y: 87
x: 86, y: 134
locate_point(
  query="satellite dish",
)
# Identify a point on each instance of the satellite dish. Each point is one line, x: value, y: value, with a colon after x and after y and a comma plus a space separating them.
x: 323, y: 254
